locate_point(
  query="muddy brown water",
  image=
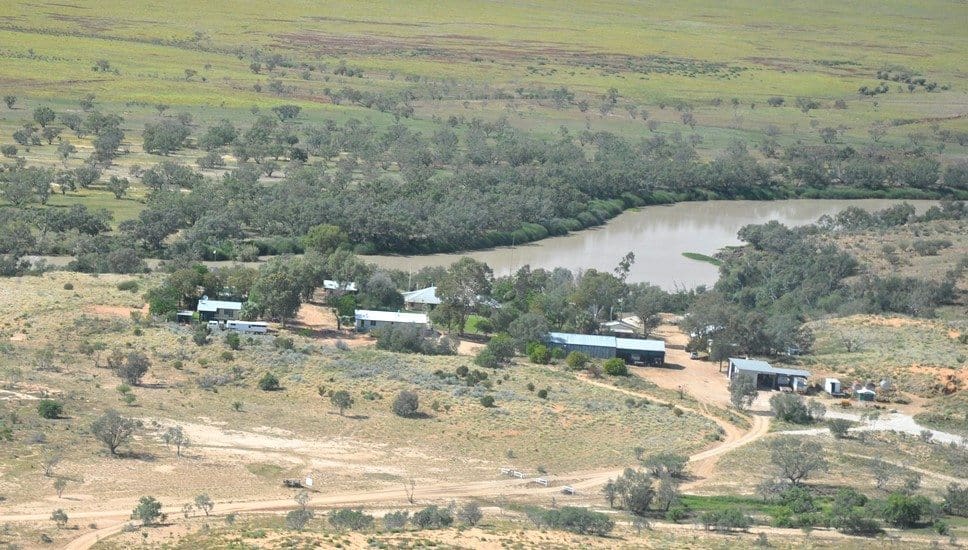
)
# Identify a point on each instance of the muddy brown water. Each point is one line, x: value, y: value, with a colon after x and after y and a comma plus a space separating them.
x: 658, y: 235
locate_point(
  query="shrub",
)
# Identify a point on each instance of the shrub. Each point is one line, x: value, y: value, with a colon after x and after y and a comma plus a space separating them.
x: 131, y: 286
x: 406, y: 404
x: 956, y: 500
x: 233, y: 340
x: 411, y: 339
x: 68, y: 286
x: 790, y: 408
x: 676, y: 514
x: 297, y: 519
x: 470, y: 514
x: 557, y: 354
x: 577, y: 360
x: 283, y: 342
x: 50, y: 409
x: 347, y: 518
x: 905, y: 511
x: 839, y: 427
x: 539, y: 354
x: 573, y: 519
x: 616, y: 367
x: 543, y: 393
x: 200, y: 335
x: 487, y: 400
x: 269, y: 382
x: 432, y: 517
x: 725, y: 520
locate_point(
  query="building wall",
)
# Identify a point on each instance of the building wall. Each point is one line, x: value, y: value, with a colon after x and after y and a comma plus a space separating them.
x: 598, y: 352
x: 366, y: 326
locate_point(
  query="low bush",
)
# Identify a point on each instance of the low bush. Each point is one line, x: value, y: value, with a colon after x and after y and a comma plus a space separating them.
x: 406, y: 404
x: 50, y: 409
x: 269, y: 382
x: 616, y: 367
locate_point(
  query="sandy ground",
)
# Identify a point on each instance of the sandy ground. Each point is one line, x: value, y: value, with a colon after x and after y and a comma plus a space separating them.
x: 700, y: 379
x: 893, y: 422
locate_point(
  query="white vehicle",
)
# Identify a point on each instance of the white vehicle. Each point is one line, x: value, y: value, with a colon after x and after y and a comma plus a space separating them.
x: 214, y: 325
x: 247, y: 326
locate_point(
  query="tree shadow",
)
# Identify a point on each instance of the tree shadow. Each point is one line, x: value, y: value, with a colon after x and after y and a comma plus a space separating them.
x: 666, y: 366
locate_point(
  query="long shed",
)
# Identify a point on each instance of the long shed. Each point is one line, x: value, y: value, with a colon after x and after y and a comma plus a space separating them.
x: 639, y: 351
x: 593, y: 345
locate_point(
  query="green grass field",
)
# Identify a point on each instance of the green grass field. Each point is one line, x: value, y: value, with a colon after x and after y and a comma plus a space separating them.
x: 464, y: 59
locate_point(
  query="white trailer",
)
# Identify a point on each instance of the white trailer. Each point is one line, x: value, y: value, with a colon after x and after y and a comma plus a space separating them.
x: 833, y: 387
x: 247, y: 326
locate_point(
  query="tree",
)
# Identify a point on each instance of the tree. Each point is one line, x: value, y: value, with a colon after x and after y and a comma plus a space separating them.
x: 634, y: 489
x: 498, y: 351
x: 528, y: 328
x: 342, y: 400
x: 49, y: 460
x: 903, y: 510
x: 470, y: 514
x: 148, y: 511
x: 666, y: 463
x: 796, y: 459
x: 324, y: 238
x: 113, y: 430
x: 432, y: 517
x: 395, y: 521
x: 466, y: 280
x: 406, y: 404
x: 44, y: 116
x: 176, y: 436
x: 956, y: 500
x: 269, y: 382
x: 133, y: 368
x: 204, y: 503
x: 59, y: 485
x: 287, y: 112
x: 118, y: 186
x: 297, y: 519
x: 59, y: 517
x: 277, y: 290
x: 742, y: 391
x: 667, y: 493
x: 165, y: 136
x: 50, y: 409
x: 50, y: 133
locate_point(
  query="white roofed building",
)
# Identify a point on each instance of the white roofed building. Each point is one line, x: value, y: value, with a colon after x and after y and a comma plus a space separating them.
x: 367, y: 319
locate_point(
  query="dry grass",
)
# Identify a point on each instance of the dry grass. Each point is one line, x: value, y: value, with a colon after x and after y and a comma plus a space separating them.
x: 292, y: 431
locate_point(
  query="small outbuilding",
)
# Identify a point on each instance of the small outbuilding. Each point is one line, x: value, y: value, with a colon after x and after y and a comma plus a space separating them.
x: 865, y: 394
x: 626, y: 326
x: 218, y: 310
x: 421, y: 298
x: 833, y: 387
x: 367, y: 319
x: 767, y: 376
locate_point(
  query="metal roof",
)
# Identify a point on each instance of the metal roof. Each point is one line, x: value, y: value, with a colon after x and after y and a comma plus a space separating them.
x: 422, y: 296
x: 330, y: 284
x: 390, y: 316
x: 570, y: 339
x: 755, y: 365
x: 635, y: 344
x: 214, y: 305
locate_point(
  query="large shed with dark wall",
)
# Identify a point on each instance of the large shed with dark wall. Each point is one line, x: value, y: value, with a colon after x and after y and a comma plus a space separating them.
x: 593, y: 345
x: 767, y: 377
x: 640, y: 352
x: 633, y: 350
